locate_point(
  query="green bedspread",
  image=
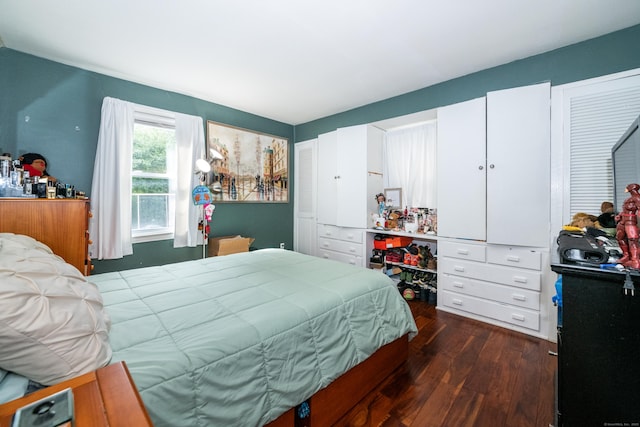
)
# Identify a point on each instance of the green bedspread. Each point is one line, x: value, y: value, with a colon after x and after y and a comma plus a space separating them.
x: 240, y: 339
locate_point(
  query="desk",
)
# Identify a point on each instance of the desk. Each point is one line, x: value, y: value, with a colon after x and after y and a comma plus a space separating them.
x: 103, y: 398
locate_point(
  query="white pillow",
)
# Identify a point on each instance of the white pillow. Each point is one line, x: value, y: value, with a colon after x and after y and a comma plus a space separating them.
x: 52, y: 322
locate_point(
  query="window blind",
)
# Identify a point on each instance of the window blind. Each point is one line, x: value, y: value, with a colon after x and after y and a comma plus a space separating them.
x: 598, y: 116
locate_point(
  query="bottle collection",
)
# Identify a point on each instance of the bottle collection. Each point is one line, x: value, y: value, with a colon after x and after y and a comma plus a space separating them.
x: 16, y: 181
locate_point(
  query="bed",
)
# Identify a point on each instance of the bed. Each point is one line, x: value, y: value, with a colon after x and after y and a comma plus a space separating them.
x: 249, y: 339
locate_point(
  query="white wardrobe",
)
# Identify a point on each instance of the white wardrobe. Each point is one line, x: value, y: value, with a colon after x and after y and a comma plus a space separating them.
x: 493, y: 162
x: 494, y: 209
x: 348, y: 168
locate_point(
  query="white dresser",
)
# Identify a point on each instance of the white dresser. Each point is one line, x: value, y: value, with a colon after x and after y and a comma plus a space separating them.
x: 497, y: 284
x: 341, y: 244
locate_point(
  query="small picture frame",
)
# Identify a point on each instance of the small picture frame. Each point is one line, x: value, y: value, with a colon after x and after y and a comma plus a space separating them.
x: 393, y: 198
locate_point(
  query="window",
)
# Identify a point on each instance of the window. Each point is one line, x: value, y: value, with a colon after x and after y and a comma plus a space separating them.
x: 164, y: 178
x: 408, y: 149
x: 595, y: 116
x: 153, y: 178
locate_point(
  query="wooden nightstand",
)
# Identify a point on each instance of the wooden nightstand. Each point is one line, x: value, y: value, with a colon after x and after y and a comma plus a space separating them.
x: 103, y: 398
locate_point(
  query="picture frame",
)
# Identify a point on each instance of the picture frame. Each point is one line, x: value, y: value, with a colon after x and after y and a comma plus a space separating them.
x: 393, y: 198
x: 246, y: 166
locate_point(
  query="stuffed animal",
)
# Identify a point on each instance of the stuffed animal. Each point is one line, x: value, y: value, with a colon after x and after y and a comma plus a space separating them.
x: 582, y: 220
x: 392, y: 220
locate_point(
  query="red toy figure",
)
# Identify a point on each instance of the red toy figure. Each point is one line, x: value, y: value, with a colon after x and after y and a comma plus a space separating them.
x: 627, y: 228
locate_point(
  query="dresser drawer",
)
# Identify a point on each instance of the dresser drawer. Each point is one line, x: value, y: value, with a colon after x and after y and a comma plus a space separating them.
x: 355, y: 235
x: 514, y: 257
x: 341, y: 257
x: 521, y: 278
x: 461, y: 250
x: 491, y: 291
x: 506, y: 313
x: 347, y: 247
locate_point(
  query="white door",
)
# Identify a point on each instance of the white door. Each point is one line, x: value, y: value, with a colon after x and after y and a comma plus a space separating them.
x: 351, y: 199
x: 518, y: 166
x: 327, y: 178
x: 304, y: 202
x: 462, y: 170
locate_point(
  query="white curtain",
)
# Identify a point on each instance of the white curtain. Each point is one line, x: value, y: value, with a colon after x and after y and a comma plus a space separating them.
x: 110, y: 226
x: 190, y: 147
x: 410, y: 163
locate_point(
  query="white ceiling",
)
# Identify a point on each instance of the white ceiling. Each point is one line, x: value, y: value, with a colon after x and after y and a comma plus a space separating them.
x: 300, y: 60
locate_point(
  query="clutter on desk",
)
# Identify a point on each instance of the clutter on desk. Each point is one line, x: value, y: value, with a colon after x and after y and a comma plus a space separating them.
x: 16, y: 181
x: 415, y: 220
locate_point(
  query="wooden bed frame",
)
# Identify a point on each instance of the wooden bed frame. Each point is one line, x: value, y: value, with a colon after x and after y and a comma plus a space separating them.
x: 330, y: 404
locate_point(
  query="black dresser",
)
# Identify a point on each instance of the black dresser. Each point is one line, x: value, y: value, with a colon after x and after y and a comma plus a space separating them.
x: 598, y: 378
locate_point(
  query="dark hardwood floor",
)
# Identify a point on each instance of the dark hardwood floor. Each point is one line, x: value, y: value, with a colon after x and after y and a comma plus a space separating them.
x: 463, y: 373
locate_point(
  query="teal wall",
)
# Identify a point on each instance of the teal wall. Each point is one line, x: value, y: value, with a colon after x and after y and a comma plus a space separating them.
x: 611, y: 53
x: 63, y: 105
x: 54, y: 109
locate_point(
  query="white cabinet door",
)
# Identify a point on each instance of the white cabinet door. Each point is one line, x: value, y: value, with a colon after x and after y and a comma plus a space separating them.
x: 359, y: 159
x: 352, y: 176
x: 327, y: 181
x: 349, y: 175
x: 518, y: 166
x: 305, y: 196
x: 461, y: 170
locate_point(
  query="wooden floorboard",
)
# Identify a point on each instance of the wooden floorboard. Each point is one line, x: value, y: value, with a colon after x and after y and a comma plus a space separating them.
x: 463, y: 373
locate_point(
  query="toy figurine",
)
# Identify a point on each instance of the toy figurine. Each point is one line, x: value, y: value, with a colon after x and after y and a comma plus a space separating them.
x: 627, y: 228
x: 381, y: 204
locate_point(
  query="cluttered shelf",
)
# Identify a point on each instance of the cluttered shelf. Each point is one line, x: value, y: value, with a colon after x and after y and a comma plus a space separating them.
x: 410, y: 259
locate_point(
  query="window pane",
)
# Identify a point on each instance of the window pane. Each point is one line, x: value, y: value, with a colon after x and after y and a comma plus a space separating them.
x: 143, y: 185
x: 153, y: 179
x: 150, y: 148
x: 153, y: 211
x: 134, y: 213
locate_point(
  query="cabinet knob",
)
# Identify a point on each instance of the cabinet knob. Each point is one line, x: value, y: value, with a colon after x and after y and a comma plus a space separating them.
x: 480, y: 167
x: 491, y: 166
x: 336, y: 177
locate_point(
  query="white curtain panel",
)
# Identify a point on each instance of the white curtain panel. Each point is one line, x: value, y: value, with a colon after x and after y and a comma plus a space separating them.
x: 110, y: 225
x: 190, y: 147
x: 410, y: 163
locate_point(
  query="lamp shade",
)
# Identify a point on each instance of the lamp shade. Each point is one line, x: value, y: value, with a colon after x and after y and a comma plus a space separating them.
x: 202, y: 166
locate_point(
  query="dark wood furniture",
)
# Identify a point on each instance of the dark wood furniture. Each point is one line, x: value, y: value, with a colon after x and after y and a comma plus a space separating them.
x: 598, y: 344
x: 61, y: 224
x: 103, y: 398
x: 331, y: 403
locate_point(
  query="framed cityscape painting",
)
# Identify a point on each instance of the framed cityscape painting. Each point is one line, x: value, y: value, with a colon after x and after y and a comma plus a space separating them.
x: 246, y: 166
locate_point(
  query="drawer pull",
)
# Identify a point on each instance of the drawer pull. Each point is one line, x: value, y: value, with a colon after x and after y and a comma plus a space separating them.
x: 459, y: 268
x: 352, y: 250
x: 519, y: 297
x: 518, y: 317
x: 325, y: 244
x: 520, y: 279
x: 456, y: 301
x: 513, y: 258
x: 463, y: 252
x: 458, y: 285
x: 350, y: 236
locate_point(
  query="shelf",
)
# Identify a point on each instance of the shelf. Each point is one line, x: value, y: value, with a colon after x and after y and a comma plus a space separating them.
x: 417, y: 236
x: 412, y: 267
